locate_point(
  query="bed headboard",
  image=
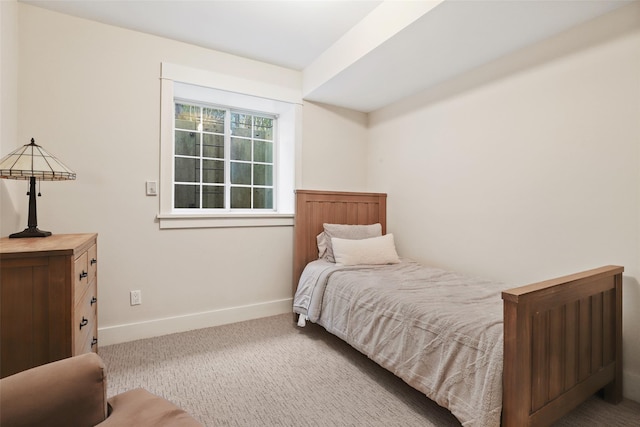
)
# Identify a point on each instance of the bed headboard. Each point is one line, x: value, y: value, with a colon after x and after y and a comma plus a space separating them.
x: 314, y: 208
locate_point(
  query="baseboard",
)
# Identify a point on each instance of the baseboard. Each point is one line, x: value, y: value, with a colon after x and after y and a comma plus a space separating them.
x: 170, y: 325
x: 631, y: 386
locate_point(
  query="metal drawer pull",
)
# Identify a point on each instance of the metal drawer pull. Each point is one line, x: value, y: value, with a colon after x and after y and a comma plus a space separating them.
x: 83, y: 274
x: 93, y: 261
x: 84, y: 322
x: 93, y: 300
x: 94, y: 341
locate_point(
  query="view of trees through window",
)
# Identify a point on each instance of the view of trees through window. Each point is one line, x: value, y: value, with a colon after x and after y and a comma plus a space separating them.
x: 223, y: 159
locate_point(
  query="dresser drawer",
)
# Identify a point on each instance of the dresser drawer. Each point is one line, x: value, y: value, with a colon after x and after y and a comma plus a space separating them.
x: 92, y: 259
x: 91, y: 344
x: 85, y: 319
x: 81, y: 276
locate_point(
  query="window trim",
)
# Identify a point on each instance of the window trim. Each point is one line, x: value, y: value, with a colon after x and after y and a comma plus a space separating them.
x: 287, y: 174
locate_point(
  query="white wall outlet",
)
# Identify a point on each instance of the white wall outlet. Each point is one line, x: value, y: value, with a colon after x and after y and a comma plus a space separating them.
x: 152, y: 188
x: 136, y: 297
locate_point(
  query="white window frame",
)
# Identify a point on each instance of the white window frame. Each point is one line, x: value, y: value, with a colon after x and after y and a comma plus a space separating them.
x: 200, y: 86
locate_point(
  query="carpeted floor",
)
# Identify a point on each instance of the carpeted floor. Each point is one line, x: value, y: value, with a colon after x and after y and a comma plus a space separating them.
x: 268, y: 372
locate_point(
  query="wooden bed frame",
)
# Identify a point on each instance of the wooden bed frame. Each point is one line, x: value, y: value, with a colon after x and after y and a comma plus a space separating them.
x: 562, y: 337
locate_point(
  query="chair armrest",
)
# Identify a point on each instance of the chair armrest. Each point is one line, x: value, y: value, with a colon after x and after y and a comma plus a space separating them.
x: 140, y: 408
x: 68, y: 392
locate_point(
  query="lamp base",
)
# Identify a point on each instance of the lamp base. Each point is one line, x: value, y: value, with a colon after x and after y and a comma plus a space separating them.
x: 30, y: 232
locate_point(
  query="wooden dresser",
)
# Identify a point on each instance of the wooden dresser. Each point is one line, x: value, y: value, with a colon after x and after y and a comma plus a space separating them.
x: 48, y: 299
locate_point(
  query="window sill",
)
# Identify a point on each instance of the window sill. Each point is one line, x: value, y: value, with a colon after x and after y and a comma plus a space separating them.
x: 172, y: 221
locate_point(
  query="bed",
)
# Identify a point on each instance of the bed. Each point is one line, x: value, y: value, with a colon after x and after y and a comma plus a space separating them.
x: 559, y: 341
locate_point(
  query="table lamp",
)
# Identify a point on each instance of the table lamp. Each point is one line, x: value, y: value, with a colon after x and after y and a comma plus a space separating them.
x: 32, y: 162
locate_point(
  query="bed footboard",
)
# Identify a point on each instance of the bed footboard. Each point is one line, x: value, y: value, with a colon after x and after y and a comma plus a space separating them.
x: 562, y: 344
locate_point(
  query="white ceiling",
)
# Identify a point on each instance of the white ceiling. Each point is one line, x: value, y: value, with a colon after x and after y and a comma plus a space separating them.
x: 386, y: 50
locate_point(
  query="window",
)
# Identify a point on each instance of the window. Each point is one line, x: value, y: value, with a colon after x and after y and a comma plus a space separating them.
x: 223, y: 159
x: 227, y: 150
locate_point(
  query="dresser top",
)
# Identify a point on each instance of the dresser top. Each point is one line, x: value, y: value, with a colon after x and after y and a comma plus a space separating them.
x: 57, y: 244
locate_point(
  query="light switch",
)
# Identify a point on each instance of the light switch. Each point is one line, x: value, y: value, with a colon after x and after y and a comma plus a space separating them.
x: 152, y: 188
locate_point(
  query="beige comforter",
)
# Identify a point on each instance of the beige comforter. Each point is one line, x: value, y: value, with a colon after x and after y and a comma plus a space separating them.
x: 439, y: 331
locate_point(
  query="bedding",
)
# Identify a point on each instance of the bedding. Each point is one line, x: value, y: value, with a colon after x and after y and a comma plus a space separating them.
x: 345, y: 231
x: 441, y: 332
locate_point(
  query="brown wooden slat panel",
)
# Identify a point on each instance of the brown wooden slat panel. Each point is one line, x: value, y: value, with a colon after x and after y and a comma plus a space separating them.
x: 555, y: 409
x: 524, y: 363
x: 571, y: 345
x: 556, y: 352
x: 539, y: 360
x: 339, y: 213
x: 372, y: 213
x: 613, y: 390
x: 584, y: 336
x: 356, y: 217
x: 61, y: 305
x: 314, y: 218
x: 596, y: 332
x: 16, y: 320
x: 44, y: 305
x: 516, y: 379
x: 608, y: 327
x: 351, y: 214
x: 324, y: 210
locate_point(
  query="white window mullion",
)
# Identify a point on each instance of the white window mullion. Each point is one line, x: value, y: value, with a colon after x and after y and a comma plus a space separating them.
x: 252, y: 133
x: 274, y: 163
x: 227, y: 160
x: 200, y: 155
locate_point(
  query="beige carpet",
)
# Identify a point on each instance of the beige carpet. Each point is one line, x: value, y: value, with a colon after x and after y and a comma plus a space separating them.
x: 268, y: 372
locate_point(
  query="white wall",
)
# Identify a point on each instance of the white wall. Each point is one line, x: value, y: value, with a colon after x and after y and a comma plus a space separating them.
x: 527, y: 168
x: 335, y: 148
x: 90, y: 94
x: 9, y: 111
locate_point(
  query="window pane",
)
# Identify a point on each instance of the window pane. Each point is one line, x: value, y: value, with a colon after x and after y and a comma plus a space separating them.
x: 240, y: 198
x: 213, y: 146
x: 262, y: 174
x: 241, y: 173
x: 187, y: 196
x: 240, y: 124
x: 187, y: 170
x: 263, y: 128
x: 241, y: 149
x: 208, y: 139
x: 263, y: 151
x: 263, y: 198
x: 213, y: 120
x: 213, y: 171
x: 187, y: 116
x: 187, y: 143
x: 212, y: 197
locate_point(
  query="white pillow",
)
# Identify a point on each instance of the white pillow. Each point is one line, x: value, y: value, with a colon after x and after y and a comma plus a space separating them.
x: 347, y: 231
x: 375, y: 250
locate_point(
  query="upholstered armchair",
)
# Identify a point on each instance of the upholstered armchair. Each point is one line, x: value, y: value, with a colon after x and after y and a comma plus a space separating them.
x: 73, y: 392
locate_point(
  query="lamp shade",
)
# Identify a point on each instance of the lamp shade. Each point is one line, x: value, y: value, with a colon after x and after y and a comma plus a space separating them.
x: 31, y: 160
